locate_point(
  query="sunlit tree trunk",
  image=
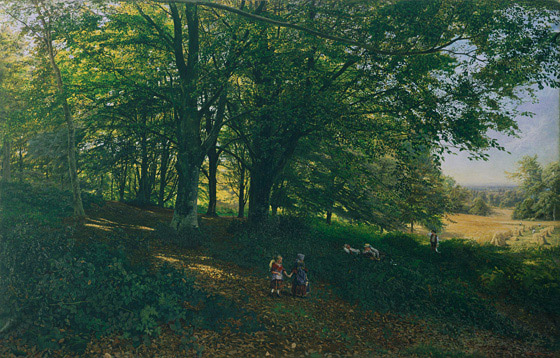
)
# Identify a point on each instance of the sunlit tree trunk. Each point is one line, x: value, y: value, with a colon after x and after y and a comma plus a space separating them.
x: 70, y: 125
x: 6, y: 159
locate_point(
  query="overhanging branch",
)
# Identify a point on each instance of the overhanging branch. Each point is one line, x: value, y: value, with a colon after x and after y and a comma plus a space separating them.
x: 344, y: 40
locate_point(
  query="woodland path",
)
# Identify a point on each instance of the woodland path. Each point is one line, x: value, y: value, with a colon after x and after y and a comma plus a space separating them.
x: 320, y: 326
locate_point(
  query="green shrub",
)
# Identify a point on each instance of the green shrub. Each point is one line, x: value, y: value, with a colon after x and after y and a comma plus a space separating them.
x: 41, y: 205
x: 54, y: 288
x: 48, y: 281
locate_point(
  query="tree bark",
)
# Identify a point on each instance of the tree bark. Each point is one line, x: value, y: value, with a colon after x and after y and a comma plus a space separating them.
x: 241, y: 203
x: 143, y: 195
x: 6, y: 159
x: 213, y: 157
x: 164, y: 162
x: 70, y: 125
x: 190, y: 153
x: 259, y: 194
x: 122, y: 182
x: 186, y: 207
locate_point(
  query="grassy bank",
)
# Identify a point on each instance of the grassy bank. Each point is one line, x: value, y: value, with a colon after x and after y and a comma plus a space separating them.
x: 459, y: 287
x: 56, y: 293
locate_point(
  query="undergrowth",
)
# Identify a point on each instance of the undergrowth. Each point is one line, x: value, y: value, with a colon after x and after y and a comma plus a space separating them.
x: 457, y: 287
x: 56, y: 293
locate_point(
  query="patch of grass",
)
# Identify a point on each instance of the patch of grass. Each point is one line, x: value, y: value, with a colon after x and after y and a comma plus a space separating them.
x: 411, y: 279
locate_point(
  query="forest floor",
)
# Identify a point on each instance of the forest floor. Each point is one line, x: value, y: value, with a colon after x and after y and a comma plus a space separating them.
x: 320, y: 326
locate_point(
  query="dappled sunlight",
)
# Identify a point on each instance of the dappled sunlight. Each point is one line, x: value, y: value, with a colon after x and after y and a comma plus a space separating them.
x: 208, y: 271
x: 213, y: 272
x: 108, y: 225
x: 139, y: 227
x: 100, y: 227
x: 167, y: 259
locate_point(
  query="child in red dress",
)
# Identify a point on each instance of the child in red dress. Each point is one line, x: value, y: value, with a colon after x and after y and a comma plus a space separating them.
x: 277, y: 271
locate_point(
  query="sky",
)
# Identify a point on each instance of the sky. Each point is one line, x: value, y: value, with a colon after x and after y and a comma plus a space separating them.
x: 538, y: 135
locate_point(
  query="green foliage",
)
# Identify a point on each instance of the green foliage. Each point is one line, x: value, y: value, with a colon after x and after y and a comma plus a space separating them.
x: 52, y: 285
x: 39, y: 204
x: 410, y: 279
x: 55, y: 288
x: 541, y: 188
x: 480, y: 207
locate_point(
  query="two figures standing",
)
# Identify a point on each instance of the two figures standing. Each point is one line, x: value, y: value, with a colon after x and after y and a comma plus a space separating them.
x: 300, y: 283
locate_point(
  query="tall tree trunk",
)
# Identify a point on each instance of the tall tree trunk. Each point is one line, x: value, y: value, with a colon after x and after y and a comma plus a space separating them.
x: 329, y: 217
x: 6, y: 159
x: 259, y: 194
x: 122, y: 182
x: 70, y: 126
x: 186, y: 207
x: 190, y: 153
x: 241, y: 203
x: 143, y: 194
x: 20, y: 165
x: 164, y: 163
x: 412, y: 227
x: 213, y: 157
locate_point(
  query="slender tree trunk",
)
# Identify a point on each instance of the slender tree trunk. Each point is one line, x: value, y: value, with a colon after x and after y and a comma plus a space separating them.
x: 241, y: 203
x: 71, y: 147
x: 6, y: 159
x: 20, y: 164
x: 164, y: 162
x: 329, y: 217
x: 122, y: 183
x: 412, y: 227
x: 99, y: 191
x: 213, y: 157
x: 143, y: 194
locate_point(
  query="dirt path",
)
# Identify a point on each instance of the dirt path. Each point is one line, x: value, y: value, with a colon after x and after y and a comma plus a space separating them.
x: 321, y: 326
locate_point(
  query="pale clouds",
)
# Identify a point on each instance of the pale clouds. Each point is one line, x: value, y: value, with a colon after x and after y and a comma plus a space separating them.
x: 538, y: 135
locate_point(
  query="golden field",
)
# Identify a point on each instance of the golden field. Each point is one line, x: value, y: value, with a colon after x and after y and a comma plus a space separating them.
x: 484, y: 228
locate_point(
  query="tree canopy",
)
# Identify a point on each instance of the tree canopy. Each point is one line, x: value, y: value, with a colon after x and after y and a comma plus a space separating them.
x: 326, y: 107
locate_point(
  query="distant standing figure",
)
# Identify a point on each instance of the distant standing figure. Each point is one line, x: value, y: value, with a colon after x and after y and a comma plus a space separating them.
x: 434, y: 241
x: 300, y: 284
x: 370, y: 252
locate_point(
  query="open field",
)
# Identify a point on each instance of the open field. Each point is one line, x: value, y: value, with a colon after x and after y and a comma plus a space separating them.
x: 517, y: 233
